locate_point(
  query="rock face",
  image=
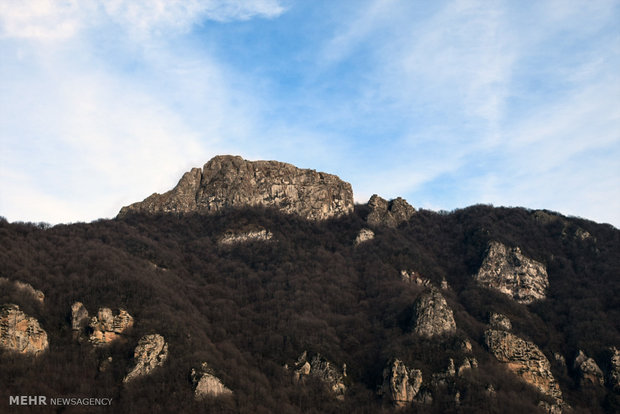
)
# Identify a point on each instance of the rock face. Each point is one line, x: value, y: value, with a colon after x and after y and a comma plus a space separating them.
x: 107, y: 327
x: 151, y: 352
x: 510, y: 272
x: 432, y: 316
x: 363, y: 236
x: 245, y: 237
x: 388, y: 213
x: 614, y: 371
x: 499, y: 321
x: 412, y: 276
x: 19, y: 332
x: 321, y: 368
x: 79, y: 316
x: 228, y: 181
x: 24, y: 287
x: 589, y: 371
x: 401, y: 384
x: 524, y: 359
x: 206, y: 384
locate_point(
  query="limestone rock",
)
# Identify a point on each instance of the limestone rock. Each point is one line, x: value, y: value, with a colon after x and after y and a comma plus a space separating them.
x: 499, y: 321
x: 524, y: 359
x: 233, y: 238
x: 432, y: 316
x: 550, y: 408
x: 323, y: 369
x: 412, y: 276
x: 510, y: 272
x: 20, y: 332
x: 614, y: 371
x: 589, y: 371
x: 24, y: 287
x: 151, y: 352
x: 107, y: 327
x: 388, y: 213
x: 465, y: 346
x: 401, y: 384
x: 363, y: 236
x: 79, y: 316
x: 442, y: 379
x: 228, y: 181
x: 467, y: 365
x: 206, y: 384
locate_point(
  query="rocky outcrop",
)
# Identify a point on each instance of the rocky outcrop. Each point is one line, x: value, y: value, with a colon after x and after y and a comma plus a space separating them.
x: 106, y: 327
x: 589, y: 371
x: 432, y: 315
x: 466, y: 365
x: 499, y: 321
x: 79, y: 316
x: 206, y: 384
x: 233, y: 238
x: 388, y: 213
x: 510, y: 272
x: 23, y: 287
x: 323, y: 369
x: 229, y: 181
x: 20, y: 332
x: 363, y: 236
x: 400, y: 384
x: 614, y: 370
x: 412, y: 276
x: 524, y: 359
x: 151, y: 352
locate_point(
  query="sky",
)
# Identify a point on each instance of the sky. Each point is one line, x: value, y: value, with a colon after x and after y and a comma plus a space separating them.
x: 444, y: 103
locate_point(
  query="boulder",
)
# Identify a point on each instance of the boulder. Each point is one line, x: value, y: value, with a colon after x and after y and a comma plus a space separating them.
x: 614, y: 369
x: 232, y: 238
x: 499, y: 321
x: 400, y: 384
x: 589, y: 371
x: 323, y: 369
x: 206, y: 384
x: 388, y: 213
x: 432, y: 315
x: 150, y: 353
x: 21, y: 333
x: 510, y: 272
x: 228, y: 181
x: 363, y: 236
x: 79, y: 316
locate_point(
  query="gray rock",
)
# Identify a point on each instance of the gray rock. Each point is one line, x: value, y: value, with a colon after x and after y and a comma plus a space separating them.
x: 525, y: 360
x: 614, y: 371
x: 510, y: 272
x: 79, y: 316
x: 589, y: 371
x: 363, y: 236
x: 21, y: 333
x: 388, y: 213
x: 206, y: 384
x: 499, y: 321
x: 432, y: 315
x: 228, y: 181
x: 323, y: 369
x: 107, y: 327
x: 150, y: 353
x: 233, y: 238
x: 400, y: 384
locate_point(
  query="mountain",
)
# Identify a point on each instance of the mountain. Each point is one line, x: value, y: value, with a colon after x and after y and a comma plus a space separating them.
x: 259, y: 287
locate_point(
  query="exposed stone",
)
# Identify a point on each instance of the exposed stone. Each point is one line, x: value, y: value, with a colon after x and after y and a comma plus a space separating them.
x: 107, y: 327
x: 401, y: 384
x: 150, y: 353
x: 20, y: 332
x: 467, y: 365
x: 363, y: 236
x: 79, y: 316
x: 444, y: 284
x: 321, y: 368
x: 412, y: 276
x: 206, y: 384
x: 550, y: 408
x: 432, y: 316
x: 614, y: 370
x: 589, y: 371
x: 466, y: 346
x: 388, y: 213
x: 441, y: 379
x: 499, y: 321
x: 24, y: 287
x: 228, y: 181
x: 105, y: 364
x: 560, y: 359
x: 245, y: 237
x: 524, y: 359
x: 510, y: 272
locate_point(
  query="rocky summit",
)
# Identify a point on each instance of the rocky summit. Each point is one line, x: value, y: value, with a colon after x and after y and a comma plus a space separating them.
x: 230, y: 181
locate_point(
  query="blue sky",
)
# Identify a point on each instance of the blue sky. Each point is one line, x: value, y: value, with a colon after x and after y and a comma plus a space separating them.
x: 445, y: 103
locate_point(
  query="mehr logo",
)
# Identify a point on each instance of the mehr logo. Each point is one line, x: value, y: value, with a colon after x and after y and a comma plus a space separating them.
x: 61, y: 401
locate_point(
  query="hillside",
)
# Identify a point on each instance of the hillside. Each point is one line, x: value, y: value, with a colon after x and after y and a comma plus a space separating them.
x: 249, y: 289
